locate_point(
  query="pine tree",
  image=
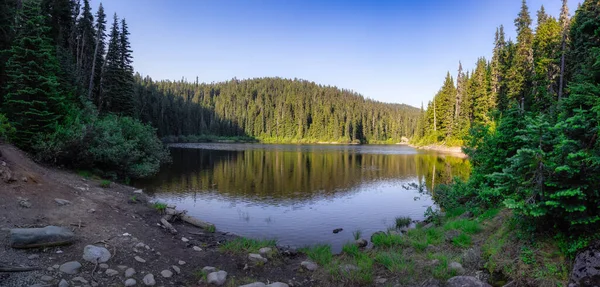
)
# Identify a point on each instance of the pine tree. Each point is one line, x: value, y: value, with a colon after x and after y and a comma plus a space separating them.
x: 111, y: 75
x: 520, y: 74
x: 564, y: 25
x: 483, y: 101
x: 32, y: 101
x: 60, y: 20
x: 85, y: 44
x: 98, y: 59
x: 126, y: 100
x: 546, y: 51
x: 8, y: 13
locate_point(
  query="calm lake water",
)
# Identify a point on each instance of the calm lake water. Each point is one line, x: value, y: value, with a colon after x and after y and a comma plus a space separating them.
x: 298, y: 194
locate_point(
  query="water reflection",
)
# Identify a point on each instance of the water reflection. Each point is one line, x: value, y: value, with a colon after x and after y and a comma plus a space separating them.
x: 298, y: 194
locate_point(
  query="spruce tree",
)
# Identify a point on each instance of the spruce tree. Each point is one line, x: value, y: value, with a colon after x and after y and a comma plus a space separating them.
x: 521, y: 70
x: 546, y: 51
x: 564, y: 25
x: 8, y: 13
x: 126, y: 100
x: 32, y: 101
x: 98, y: 59
x: 111, y: 75
x: 85, y: 44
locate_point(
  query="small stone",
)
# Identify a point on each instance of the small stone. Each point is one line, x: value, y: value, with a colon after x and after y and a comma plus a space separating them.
x: 61, y: 201
x: 33, y: 256
x: 348, y: 268
x: 140, y: 245
x: 181, y: 262
x: 255, y: 284
x: 91, y: 210
x: 457, y: 267
x: 451, y: 234
x: 63, y: 283
x: 277, y: 284
x: 217, y: 278
x: 55, y: 266
x: 71, y: 267
x: 130, y: 282
x: 50, y: 269
x: 111, y: 272
x: 149, y: 280
x: 177, y: 269
x: 196, y: 248
x: 138, y: 191
x: 265, y: 251
x: 209, y: 269
x: 103, y: 266
x: 80, y: 280
x: 121, y: 267
x: 59, y: 251
x: 24, y: 179
x: 129, y: 272
x: 166, y: 273
x: 24, y: 202
x: 256, y: 258
x: 310, y: 266
x: 96, y: 254
x: 184, y: 239
x: 95, y: 284
x: 139, y: 259
x: 361, y: 243
x: 47, y: 278
x: 380, y: 281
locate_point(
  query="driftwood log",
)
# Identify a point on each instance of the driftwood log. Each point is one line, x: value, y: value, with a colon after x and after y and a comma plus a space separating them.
x: 197, y: 222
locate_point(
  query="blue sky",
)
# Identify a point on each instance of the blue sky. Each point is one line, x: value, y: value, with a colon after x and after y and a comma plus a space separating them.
x: 391, y: 51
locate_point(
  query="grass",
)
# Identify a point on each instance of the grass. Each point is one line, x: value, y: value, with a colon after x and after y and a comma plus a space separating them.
x: 320, y: 254
x: 440, y: 270
x: 351, y: 249
x: 133, y: 198
x: 387, y: 240
x: 160, y: 206
x: 211, y: 229
x: 357, y: 234
x: 85, y: 174
x: 395, y: 262
x: 464, y: 225
x: 420, y: 238
x: 105, y: 183
x: 403, y: 221
x: 246, y: 245
x: 463, y: 240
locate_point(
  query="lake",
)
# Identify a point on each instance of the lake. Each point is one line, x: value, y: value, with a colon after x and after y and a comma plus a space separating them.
x: 298, y: 194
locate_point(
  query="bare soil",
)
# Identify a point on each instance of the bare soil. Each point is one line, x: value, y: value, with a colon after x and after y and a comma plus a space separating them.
x: 108, y: 217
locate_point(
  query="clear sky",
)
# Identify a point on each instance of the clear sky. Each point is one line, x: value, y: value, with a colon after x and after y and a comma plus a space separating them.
x: 392, y: 51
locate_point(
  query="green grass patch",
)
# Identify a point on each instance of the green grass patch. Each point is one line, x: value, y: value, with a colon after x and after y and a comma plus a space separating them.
x: 454, y: 212
x: 320, y: 253
x: 357, y: 234
x: 211, y: 229
x: 395, y: 262
x: 402, y: 221
x: 387, y: 240
x: 360, y: 274
x: 464, y: 225
x: 105, y: 183
x: 85, y: 173
x: 440, y: 270
x: 246, y: 245
x: 463, y: 240
x: 160, y: 206
x: 351, y: 249
x: 420, y: 238
x: 489, y: 214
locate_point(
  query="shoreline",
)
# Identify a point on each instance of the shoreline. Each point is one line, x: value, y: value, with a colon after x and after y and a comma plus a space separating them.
x: 455, y: 151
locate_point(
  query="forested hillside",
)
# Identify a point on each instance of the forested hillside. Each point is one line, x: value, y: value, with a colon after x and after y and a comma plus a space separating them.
x: 272, y: 110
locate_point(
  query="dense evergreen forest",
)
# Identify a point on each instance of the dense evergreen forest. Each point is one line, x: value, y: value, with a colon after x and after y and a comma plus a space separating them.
x: 532, y: 113
x: 70, y: 96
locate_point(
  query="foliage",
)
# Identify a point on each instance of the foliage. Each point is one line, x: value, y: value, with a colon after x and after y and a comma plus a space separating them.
x: 6, y: 130
x: 105, y: 183
x: 403, y: 221
x: 320, y: 253
x: 246, y: 245
x: 160, y: 206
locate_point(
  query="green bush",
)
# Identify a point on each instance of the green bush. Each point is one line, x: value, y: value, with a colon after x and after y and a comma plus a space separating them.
x: 6, y: 130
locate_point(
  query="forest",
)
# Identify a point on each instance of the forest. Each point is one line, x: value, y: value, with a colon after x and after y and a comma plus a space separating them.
x: 70, y: 96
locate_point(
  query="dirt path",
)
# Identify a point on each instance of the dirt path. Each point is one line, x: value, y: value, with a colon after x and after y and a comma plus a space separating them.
x: 107, y: 217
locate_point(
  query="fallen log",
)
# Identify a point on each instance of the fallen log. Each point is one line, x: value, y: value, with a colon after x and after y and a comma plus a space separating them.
x: 168, y: 225
x: 197, y: 222
x: 40, y: 237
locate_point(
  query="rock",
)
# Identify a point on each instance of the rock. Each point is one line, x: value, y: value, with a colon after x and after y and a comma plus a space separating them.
x: 309, y: 265
x: 24, y: 202
x: 71, y: 267
x: 348, y: 268
x: 33, y: 256
x: 586, y: 267
x: 129, y: 272
x: 111, y: 272
x: 166, y: 273
x: 91, y: 210
x: 50, y: 269
x: 63, y: 283
x: 176, y: 269
x: 139, y: 259
x: 255, y: 284
x: 451, y: 234
x: 256, y: 258
x: 121, y: 267
x: 378, y: 233
x: 196, y: 248
x: 80, y: 280
x: 209, y: 269
x: 465, y: 281
x: 338, y: 230
x: 431, y: 283
x: 181, y: 262
x: 265, y: 251
x: 217, y: 278
x: 184, y: 239
x: 103, y: 266
x: 61, y: 201
x: 47, y: 278
x: 140, y: 245
x: 467, y: 214
x: 457, y: 267
x: 40, y: 237
x: 95, y: 254
x: 471, y: 258
x: 277, y: 284
x: 149, y: 280
x: 380, y: 281
x: 55, y: 266
x: 138, y: 191
x: 130, y: 282
x: 361, y: 243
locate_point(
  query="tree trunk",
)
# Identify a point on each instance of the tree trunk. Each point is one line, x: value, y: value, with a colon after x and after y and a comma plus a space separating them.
x: 562, y: 67
x: 91, y: 86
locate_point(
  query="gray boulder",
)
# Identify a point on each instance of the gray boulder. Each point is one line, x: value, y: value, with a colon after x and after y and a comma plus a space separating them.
x: 278, y: 284
x: 255, y: 284
x: 95, y: 254
x: 310, y: 266
x: 465, y: 281
x: 149, y: 280
x: 40, y: 237
x: 586, y: 268
x: 217, y: 278
x: 471, y: 258
x: 256, y: 258
x: 129, y: 272
x: 361, y: 243
x: 130, y: 282
x: 71, y: 267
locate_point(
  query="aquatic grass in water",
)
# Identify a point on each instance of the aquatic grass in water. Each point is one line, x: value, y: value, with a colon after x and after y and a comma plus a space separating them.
x: 402, y: 221
x: 246, y: 245
x: 357, y: 234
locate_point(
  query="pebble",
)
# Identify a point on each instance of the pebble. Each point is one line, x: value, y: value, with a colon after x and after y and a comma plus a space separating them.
x: 47, y: 278
x: 63, y: 283
x: 380, y: 281
x: 209, y: 269
x: 166, y: 273
x: 130, y: 282
x: 80, y: 280
x: 103, y: 266
x: 217, y: 278
x: 310, y: 266
x: 181, y: 262
x: 177, y: 269
x: 139, y: 259
x: 196, y: 248
x: 149, y: 280
x: 184, y: 239
x: 278, y: 284
x: 61, y: 201
x: 33, y: 256
x: 255, y: 284
x: 138, y: 191
x: 121, y: 267
x: 50, y: 269
x: 55, y: 266
x: 129, y: 272
x: 111, y: 272
x: 91, y: 210
x: 256, y: 258
x: 265, y: 250
x: 71, y: 267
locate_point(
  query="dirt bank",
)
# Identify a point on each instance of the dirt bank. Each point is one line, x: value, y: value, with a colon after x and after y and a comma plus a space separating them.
x: 454, y: 151
x: 111, y: 218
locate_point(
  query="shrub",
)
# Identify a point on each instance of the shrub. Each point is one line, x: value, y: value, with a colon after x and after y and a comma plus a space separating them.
x: 6, y: 130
